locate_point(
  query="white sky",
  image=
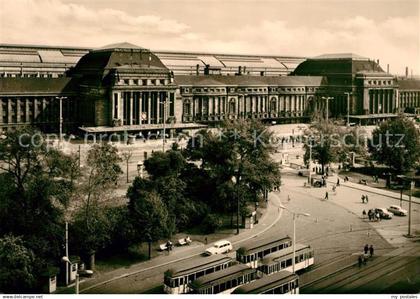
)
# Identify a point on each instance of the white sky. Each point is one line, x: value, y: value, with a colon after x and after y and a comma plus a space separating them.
x: 388, y: 30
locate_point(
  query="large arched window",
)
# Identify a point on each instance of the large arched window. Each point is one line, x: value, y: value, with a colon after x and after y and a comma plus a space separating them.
x: 187, y: 107
x: 273, y: 105
x: 232, y: 106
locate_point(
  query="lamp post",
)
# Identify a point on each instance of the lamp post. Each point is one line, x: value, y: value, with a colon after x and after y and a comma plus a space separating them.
x: 295, y: 215
x: 61, y: 118
x: 327, y: 100
x: 409, y: 209
x: 348, y: 107
x: 236, y: 180
x: 66, y: 260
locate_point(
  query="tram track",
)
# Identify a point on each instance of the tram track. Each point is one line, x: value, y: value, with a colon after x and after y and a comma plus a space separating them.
x: 351, y: 276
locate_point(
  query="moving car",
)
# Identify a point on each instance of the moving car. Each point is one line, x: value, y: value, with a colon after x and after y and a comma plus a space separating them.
x: 223, y: 246
x: 397, y: 210
x: 383, y: 213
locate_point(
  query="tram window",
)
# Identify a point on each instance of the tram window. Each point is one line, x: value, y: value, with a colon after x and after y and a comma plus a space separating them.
x: 222, y: 287
x: 288, y: 262
x: 228, y: 284
x: 199, y: 274
x: 191, y: 277
x: 283, y: 264
x: 181, y: 281
x: 260, y: 254
x: 240, y: 279
x: 281, y: 246
x: 285, y: 288
x: 266, y: 252
x: 217, y: 268
x: 216, y: 289
x: 296, y: 283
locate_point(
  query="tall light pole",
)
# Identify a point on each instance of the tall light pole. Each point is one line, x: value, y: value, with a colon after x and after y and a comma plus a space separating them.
x: 409, y: 208
x: 327, y: 100
x: 295, y: 215
x: 61, y: 118
x: 164, y: 123
x: 348, y: 107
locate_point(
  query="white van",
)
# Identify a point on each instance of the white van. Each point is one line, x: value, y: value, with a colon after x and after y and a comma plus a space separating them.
x: 223, y: 246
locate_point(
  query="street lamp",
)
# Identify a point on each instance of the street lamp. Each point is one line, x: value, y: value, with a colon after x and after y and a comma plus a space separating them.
x: 327, y: 100
x: 66, y: 260
x: 348, y: 107
x: 236, y: 179
x: 61, y: 118
x: 295, y: 215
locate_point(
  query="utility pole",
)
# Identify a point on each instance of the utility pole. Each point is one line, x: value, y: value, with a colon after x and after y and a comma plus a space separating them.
x: 61, y: 119
x: 327, y: 100
x: 409, y: 208
x: 67, y: 252
x: 310, y: 165
x: 348, y: 107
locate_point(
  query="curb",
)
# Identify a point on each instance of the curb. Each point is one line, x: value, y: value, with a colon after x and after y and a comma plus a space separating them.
x: 377, y: 193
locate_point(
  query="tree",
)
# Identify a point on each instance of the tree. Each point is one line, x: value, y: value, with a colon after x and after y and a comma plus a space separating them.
x: 240, y: 150
x: 148, y: 212
x: 396, y: 143
x: 101, y: 174
x: 126, y: 157
x: 17, y: 264
x: 36, y: 184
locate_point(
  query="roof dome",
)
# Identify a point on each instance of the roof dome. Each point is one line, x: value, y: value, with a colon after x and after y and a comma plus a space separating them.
x: 119, y: 46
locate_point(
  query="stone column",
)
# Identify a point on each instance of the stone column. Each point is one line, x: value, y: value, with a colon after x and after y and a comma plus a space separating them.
x: 27, y: 118
x: 149, y: 108
x: 121, y: 106
x: 140, y: 97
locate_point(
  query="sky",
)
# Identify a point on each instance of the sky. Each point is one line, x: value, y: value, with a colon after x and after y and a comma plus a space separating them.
x: 388, y: 30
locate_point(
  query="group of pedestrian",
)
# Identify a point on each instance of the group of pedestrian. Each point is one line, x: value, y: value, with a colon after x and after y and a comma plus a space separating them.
x: 372, y: 215
x: 363, y: 257
x: 365, y: 198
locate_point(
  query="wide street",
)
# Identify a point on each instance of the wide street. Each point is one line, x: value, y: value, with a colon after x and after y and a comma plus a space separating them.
x: 335, y: 228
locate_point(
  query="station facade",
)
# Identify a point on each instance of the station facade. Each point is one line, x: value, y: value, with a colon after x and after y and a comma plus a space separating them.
x: 124, y: 87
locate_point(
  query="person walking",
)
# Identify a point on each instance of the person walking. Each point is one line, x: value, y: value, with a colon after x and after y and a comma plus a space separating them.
x: 338, y: 182
x: 326, y: 195
x: 363, y: 199
x: 371, y: 250
x: 205, y: 240
x: 364, y: 214
x: 366, y: 249
x: 360, y: 260
x: 370, y: 215
x: 366, y: 198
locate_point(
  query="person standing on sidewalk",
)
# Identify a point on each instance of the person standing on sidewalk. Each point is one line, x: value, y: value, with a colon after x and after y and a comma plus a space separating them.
x: 367, y: 198
x: 366, y: 249
x: 371, y: 250
x: 364, y: 214
x: 326, y: 195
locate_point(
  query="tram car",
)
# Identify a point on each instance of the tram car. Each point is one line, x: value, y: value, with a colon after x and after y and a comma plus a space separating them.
x: 283, y: 282
x: 282, y: 260
x: 255, y: 250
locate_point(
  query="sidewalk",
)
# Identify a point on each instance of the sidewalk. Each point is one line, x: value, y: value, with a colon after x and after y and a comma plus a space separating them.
x: 374, y: 190
x: 268, y: 219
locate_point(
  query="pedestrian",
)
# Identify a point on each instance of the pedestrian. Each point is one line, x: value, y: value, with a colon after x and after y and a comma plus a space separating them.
x: 338, y: 182
x: 370, y: 215
x: 363, y: 199
x: 333, y: 188
x: 367, y: 199
x: 378, y: 216
x: 326, y: 195
x: 205, y: 240
x: 364, y: 214
x: 288, y: 197
x: 366, y: 248
x: 360, y: 260
x: 371, y: 250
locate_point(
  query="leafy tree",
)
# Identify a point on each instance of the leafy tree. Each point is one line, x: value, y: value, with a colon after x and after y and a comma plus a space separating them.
x: 148, y: 212
x: 396, y: 143
x: 36, y: 184
x: 100, y: 177
x: 241, y: 150
x: 17, y: 264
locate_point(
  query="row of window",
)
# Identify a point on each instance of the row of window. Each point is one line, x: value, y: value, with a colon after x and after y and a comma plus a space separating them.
x: 143, y: 82
x: 380, y: 82
x: 30, y: 75
x: 259, y: 255
x: 207, y: 89
x: 285, y: 263
x: 283, y: 288
x: 179, y: 281
x: 231, y: 283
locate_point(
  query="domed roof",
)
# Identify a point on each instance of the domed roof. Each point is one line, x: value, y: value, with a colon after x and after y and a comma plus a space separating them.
x: 336, y: 64
x: 119, y: 46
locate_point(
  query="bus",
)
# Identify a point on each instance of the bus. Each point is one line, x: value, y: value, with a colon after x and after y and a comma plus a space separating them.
x: 224, y: 282
x: 283, y: 282
x: 282, y: 260
x: 176, y: 279
x: 255, y: 250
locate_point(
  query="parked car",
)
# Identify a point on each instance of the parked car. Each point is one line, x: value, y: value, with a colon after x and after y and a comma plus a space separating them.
x: 223, y: 246
x: 383, y: 213
x: 397, y: 210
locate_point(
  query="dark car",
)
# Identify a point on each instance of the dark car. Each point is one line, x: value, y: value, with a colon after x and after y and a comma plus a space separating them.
x: 383, y: 213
